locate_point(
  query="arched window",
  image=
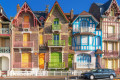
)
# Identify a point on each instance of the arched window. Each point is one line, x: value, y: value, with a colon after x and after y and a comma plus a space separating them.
x: 56, y: 21
x: 84, y: 24
x: 84, y: 58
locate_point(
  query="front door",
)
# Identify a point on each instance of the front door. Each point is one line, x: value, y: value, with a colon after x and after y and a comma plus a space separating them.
x: 41, y: 60
x: 26, y: 38
x: 56, y: 39
x: 26, y: 60
x: 109, y: 64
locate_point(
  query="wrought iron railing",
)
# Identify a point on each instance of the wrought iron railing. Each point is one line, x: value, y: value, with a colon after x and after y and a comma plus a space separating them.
x: 56, y: 42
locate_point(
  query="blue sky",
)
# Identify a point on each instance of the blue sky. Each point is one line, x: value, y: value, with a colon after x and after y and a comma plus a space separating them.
x: 39, y: 5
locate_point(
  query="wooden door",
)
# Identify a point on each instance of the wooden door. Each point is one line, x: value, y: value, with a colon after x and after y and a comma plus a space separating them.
x: 41, y: 60
x: 26, y: 60
x: 26, y: 38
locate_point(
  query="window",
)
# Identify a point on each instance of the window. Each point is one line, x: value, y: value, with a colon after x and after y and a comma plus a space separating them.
x: 84, y: 24
x: 84, y: 40
x: 56, y: 21
x: 84, y: 58
x: 98, y: 41
x: 70, y: 41
x: 111, y: 29
x: 112, y: 12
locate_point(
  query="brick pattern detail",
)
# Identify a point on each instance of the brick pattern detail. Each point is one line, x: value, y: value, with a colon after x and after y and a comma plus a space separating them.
x: 65, y: 59
x: 17, y: 57
x: 35, y: 60
x: 18, y: 37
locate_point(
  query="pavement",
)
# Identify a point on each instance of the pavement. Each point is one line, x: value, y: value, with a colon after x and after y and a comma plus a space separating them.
x: 47, y: 78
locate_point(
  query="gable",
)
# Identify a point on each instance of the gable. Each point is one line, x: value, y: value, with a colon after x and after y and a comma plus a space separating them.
x: 56, y: 7
x: 25, y: 8
x: 113, y: 5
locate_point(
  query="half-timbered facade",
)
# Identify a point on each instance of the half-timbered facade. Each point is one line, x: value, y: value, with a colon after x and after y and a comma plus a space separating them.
x: 56, y: 38
x: 108, y: 16
x: 4, y: 42
x: 25, y: 39
x: 86, y: 42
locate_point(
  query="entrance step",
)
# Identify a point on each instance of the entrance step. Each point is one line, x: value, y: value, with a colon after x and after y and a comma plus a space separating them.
x: 3, y: 73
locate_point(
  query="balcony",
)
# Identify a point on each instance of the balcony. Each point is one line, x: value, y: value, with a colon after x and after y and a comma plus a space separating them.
x: 56, y: 43
x: 23, y: 65
x: 56, y: 27
x: 4, y: 32
x: 4, y: 49
x: 58, y: 65
x: 25, y: 25
x: 110, y: 53
x: 21, y: 44
x: 110, y: 36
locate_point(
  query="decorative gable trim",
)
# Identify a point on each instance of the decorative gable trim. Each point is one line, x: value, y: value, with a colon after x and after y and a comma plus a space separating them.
x: 25, y: 8
x: 56, y: 3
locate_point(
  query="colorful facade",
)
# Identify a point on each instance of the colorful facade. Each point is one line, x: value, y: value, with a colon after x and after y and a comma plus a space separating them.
x: 56, y: 38
x: 108, y: 16
x: 25, y: 39
x: 43, y: 40
x: 87, y: 41
x: 5, y: 39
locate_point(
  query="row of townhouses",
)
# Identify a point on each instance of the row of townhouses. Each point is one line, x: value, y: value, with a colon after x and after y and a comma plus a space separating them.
x: 43, y: 40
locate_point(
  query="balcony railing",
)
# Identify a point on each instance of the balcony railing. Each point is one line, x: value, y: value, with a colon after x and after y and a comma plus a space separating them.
x: 56, y: 42
x: 28, y: 44
x: 56, y: 27
x: 4, y: 30
x: 4, y: 49
x: 58, y: 65
x: 25, y: 25
x: 84, y: 65
x: 23, y: 65
x: 112, y: 36
x: 110, y: 53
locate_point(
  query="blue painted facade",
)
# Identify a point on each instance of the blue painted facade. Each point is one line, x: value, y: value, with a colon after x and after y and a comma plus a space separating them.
x: 86, y: 41
x: 93, y: 42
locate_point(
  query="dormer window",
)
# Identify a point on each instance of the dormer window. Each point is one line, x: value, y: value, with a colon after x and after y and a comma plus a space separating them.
x: 56, y: 21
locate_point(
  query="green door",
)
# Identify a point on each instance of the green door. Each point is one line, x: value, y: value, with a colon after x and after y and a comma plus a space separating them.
x: 70, y: 58
x: 56, y: 57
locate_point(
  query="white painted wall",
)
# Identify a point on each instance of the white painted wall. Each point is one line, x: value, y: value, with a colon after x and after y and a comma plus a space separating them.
x: 93, y: 58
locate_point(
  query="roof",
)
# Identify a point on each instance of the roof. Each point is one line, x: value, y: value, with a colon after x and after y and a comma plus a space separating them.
x: 104, y: 7
x: 84, y: 13
x: 38, y: 14
x: 3, y: 12
x: 99, y: 51
x: 56, y: 3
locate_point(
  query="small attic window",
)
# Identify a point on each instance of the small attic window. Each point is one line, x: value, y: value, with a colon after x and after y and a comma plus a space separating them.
x: 112, y: 13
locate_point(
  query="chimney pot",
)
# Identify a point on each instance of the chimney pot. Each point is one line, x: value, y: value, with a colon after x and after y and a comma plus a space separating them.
x: 71, y: 14
x: 18, y: 7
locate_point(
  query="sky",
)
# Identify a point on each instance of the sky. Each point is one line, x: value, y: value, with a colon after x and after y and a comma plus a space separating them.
x: 39, y: 5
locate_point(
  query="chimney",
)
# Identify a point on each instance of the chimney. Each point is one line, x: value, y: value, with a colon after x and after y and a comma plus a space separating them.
x: 46, y: 10
x: 1, y: 10
x: 18, y: 7
x: 71, y: 14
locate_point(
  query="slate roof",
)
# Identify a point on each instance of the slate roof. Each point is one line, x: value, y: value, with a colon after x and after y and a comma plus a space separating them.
x: 38, y: 14
x: 104, y: 7
x: 3, y: 12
